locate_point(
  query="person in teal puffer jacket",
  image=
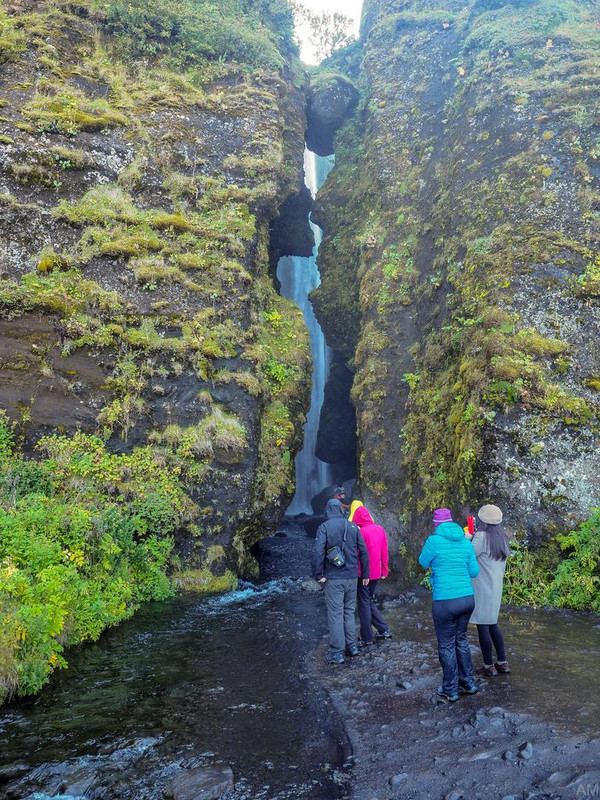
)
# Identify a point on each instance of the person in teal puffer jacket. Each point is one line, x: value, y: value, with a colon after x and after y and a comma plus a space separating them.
x: 452, y: 560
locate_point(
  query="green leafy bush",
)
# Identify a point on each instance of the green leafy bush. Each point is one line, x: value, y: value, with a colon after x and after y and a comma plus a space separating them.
x: 565, y: 573
x: 577, y: 580
x: 85, y: 537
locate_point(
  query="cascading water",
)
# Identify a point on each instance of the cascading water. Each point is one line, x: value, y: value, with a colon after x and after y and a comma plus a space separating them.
x: 298, y: 277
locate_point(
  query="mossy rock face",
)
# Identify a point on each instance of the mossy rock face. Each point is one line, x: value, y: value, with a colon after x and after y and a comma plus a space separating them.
x: 152, y: 159
x: 459, y: 268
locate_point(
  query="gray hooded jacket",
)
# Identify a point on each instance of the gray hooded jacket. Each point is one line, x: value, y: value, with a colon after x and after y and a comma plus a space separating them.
x: 330, y: 533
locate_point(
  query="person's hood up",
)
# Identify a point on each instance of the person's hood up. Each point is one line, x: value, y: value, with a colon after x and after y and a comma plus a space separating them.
x: 334, y: 509
x: 362, y: 517
x: 450, y: 530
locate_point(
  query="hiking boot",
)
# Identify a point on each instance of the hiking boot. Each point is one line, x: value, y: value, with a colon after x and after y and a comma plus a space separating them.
x: 466, y: 687
x: 445, y: 696
x: 365, y: 645
x: 352, y: 650
x: 502, y: 667
x: 335, y: 658
x: 384, y: 635
x: 488, y: 672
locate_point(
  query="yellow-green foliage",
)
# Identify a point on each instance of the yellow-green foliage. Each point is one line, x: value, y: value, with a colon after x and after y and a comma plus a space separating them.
x: 190, y: 32
x: 49, y: 261
x: 563, y: 573
x: 588, y: 283
x: 68, y: 111
x: 282, y: 353
x: 85, y: 537
x: 218, y: 435
x: 13, y: 40
x: 211, y: 577
x: 115, y: 227
x: 204, y: 581
x: 68, y: 158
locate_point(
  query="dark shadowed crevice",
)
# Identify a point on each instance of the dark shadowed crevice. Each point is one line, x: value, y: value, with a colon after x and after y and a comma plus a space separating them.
x: 290, y: 232
x: 336, y: 439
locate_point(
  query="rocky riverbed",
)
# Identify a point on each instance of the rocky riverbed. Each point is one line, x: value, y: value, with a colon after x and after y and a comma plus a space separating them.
x: 408, y: 744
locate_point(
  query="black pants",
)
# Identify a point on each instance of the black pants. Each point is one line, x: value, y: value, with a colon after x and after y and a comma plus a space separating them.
x: 450, y: 619
x: 370, y: 615
x: 491, y: 635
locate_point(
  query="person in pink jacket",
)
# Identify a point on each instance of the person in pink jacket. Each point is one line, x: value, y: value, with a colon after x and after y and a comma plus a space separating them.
x: 376, y: 540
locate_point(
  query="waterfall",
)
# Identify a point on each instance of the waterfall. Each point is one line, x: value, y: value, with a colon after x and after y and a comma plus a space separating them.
x: 299, y: 276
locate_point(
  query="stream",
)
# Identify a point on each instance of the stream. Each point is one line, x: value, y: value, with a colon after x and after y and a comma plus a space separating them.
x: 190, y: 682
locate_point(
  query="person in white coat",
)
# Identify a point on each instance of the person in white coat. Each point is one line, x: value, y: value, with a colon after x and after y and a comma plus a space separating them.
x: 491, y: 548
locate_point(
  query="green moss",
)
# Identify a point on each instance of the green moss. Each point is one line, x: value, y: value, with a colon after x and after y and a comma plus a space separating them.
x: 13, y: 40
x: 6, y: 139
x: 175, y: 222
x: 67, y: 111
x: 204, y: 581
x: 49, y: 261
x: 130, y: 245
x: 68, y: 158
x: 588, y: 283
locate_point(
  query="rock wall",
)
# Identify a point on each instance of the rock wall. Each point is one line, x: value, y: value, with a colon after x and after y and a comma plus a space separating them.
x: 145, y: 151
x: 461, y: 228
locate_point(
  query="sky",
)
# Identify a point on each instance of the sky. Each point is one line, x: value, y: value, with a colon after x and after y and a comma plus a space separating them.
x: 351, y: 8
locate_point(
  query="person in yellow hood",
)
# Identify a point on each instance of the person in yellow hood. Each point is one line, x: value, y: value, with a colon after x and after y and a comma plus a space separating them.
x: 353, y: 506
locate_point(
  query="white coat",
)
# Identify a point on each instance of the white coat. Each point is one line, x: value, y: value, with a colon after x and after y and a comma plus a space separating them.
x: 487, y: 586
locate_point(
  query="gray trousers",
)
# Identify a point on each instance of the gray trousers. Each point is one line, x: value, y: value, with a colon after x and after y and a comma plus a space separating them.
x: 340, y: 601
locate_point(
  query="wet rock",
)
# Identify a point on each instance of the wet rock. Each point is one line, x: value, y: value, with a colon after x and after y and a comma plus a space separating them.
x: 526, y: 751
x: 310, y: 585
x: 480, y: 756
x: 12, y: 771
x: 398, y: 780
x: 508, y: 755
x: 207, y: 783
x: 79, y: 782
x: 560, y: 777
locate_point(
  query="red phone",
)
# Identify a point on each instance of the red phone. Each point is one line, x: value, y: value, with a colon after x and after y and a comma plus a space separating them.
x: 471, y: 524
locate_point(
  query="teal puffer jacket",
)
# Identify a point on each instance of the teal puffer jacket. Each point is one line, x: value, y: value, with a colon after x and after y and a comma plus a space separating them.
x: 453, y: 562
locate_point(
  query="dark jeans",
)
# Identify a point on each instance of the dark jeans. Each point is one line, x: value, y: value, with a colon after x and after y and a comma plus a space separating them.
x: 491, y: 635
x: 450, y: 619
x: 370, y: 615
x: 340, y: 601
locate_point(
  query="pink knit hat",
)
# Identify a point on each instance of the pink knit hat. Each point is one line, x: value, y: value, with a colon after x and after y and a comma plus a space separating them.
x: 441, y: 515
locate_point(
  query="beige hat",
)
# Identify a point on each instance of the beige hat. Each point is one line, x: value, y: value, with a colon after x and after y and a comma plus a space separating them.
x: 491, y: 515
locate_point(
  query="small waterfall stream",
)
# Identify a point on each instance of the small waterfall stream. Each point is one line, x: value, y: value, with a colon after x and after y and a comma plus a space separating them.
x: 298, y: 277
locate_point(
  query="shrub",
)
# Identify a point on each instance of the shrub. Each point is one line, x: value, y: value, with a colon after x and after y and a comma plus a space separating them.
x: 564, y: 573
x: 85, y: 537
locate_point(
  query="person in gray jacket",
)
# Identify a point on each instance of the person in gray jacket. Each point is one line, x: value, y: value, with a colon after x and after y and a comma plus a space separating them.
x: 340, y: 582
x: 491, y: 548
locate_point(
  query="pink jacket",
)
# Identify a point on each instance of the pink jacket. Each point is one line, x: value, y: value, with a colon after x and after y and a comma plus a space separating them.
x: 376, y: 540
